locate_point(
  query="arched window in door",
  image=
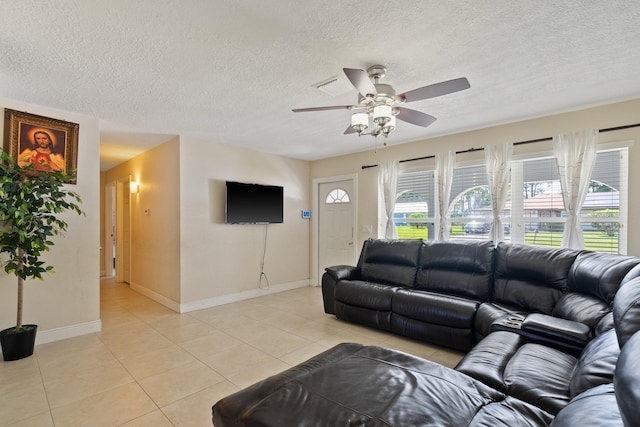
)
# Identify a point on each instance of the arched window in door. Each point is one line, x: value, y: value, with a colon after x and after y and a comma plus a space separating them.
x: 337, y: 195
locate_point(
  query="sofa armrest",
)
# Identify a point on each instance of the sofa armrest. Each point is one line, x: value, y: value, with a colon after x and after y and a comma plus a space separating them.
x: 486, y: 316
x: 555, y: 329
x: 343, y: 272
x: 332, y: 276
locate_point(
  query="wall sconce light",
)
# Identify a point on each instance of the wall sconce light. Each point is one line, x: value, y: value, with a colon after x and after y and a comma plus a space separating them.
x: 134, y: 187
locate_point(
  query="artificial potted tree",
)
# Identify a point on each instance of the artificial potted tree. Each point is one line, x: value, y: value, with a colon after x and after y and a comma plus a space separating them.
x: 30, y: 206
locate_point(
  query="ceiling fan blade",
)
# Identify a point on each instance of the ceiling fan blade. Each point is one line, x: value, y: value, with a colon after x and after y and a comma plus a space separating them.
x: 437, y: 89
x: 332, y: 107
x: 360, y: 79
x: 415, y: 117
x: 349, y: 130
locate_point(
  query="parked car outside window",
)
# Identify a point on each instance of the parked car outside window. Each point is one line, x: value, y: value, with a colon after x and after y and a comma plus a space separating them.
x: 475, y: 227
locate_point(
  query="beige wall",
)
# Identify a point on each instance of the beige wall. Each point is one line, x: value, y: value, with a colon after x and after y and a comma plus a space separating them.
x: 155, y: 238
x: 218, y: 259
x: 600, y: 117
x: 67, y: 303
x: 182, y: 253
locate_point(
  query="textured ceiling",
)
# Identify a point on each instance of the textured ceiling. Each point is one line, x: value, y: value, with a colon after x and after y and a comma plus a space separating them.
x: 231, y: 71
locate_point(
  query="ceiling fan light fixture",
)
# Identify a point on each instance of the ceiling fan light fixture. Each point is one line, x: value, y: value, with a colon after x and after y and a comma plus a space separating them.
x: 389, y: 126
x: 379, y: 100
x: 382, y: 114
x: 359, y: 122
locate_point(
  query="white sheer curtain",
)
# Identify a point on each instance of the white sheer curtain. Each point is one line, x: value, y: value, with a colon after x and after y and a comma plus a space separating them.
x: 575, y: 155
x: 444, y: 176
x: 498, y: 164
x: 387, y: 185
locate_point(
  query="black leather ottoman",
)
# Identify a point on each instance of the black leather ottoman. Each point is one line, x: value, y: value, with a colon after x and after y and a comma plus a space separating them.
x: 356, y: 385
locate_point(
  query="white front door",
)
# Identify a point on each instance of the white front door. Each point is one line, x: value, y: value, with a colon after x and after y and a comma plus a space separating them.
x: 336, y: 224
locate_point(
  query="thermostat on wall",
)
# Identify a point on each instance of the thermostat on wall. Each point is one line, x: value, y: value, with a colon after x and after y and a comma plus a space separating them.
x: 306, y: 214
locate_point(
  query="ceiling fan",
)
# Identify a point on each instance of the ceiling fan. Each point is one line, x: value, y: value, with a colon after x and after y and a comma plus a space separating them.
x: 380, y: 102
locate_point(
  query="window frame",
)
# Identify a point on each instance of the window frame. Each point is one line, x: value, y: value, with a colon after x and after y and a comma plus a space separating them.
x: 516, y: 219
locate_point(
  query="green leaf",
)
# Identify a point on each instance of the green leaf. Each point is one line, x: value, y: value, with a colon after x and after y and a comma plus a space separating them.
x: 30, y: 203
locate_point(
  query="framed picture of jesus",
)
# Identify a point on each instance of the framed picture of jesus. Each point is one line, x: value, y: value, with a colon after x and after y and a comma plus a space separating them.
x: 41, y: 144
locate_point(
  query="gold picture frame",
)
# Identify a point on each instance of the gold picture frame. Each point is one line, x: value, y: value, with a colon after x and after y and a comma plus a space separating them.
x: 47, y: 144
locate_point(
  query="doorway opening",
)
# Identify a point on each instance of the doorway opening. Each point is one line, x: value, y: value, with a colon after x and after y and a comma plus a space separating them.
x: 118, y: 230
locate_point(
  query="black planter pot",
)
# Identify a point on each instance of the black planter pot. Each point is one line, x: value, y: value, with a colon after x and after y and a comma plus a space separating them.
x: 18, y: 345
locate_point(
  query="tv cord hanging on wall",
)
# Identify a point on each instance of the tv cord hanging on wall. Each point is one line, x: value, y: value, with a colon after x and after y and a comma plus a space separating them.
x: 264, y: 254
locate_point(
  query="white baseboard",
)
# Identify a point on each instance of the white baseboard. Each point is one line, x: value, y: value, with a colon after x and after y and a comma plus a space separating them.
x: 240, y: 296
x: 57, y: 334
x: 167, y: 302
x: 216, y: 301
x: 71, y: 331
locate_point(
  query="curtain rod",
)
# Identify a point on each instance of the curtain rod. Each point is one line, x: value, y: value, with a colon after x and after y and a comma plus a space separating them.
x: 531, y: 141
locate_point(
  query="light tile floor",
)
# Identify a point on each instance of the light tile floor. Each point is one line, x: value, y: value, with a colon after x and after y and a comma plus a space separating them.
x: 153, y: 367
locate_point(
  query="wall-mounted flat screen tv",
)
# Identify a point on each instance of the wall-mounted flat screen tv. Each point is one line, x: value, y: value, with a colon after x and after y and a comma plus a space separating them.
x: 253, y: 203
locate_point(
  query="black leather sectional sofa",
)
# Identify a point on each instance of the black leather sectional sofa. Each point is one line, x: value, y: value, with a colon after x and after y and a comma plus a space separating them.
x: 454, y: 293
x: 551, y: 337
